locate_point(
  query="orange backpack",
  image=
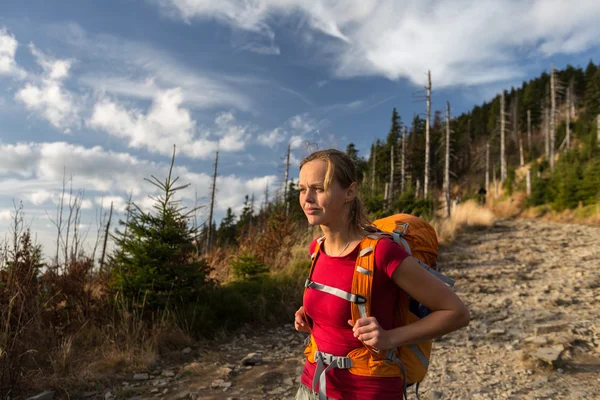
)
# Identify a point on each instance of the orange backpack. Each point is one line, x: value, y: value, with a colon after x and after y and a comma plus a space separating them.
x: 408, y: 362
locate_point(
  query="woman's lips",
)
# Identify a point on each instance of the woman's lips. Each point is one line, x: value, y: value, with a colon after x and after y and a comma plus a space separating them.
x: 311, y: 211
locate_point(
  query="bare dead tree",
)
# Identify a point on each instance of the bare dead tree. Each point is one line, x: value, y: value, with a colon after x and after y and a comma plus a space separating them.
x: 212, y: 204
x: 487, y: 166
x: 447, y: 162
x: 547, y: 131
x: 391, y: 185
x: 568, y: 118
x: 426, y: 178
x: 106, y: 233
x: 503, y: 164
x: 552, y: 115
x: 287, y: 172
x: 403, y: 161
x: 267, y: 195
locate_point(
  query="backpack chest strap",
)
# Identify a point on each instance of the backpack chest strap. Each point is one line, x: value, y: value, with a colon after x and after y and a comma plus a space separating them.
x: 342, y: 294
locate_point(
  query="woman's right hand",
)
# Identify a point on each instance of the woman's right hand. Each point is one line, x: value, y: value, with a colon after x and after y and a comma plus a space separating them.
x: 299, y: 322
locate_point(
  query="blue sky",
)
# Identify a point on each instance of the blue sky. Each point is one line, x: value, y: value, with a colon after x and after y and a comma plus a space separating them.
x: 102, y: 90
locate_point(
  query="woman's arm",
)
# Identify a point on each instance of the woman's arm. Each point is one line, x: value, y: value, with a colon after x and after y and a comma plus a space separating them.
x: 448, y: 311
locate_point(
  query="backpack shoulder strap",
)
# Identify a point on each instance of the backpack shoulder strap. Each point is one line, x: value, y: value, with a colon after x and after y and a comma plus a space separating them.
x: 362, y: 281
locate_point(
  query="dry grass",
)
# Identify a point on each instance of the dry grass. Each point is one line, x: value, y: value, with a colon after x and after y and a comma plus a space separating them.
x: 466, y: 215
x: 507, y: 206
x: 586, y: 215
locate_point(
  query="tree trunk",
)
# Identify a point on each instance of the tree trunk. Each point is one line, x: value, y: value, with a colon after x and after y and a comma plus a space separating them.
x: 403, y: 161
x: 106, y: 238
x: 487, y: 166
x: 547, y: 131
x: 447, y: 162
x: 212, y: 206
x: 502, y: 140
x: 426, y: 179
x: 285, y: 189
x: 391, y: 188
x: 528, y: 182
x: 522, y: 158
x: 552, y: 116
x: 568, y: 116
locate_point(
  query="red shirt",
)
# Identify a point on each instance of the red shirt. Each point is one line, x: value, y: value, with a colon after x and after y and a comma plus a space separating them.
x: 330, y: 315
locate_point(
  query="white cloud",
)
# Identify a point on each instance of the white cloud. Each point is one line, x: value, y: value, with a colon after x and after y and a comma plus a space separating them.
x: 5, y: 215
x: 167, y: 123
x: 118, y: 202
x: 41, y: 196
x: 47, y: 94
x: 258, y: 48
x: 296, y: 142
x: 462, y: 42
x: 8, y: 49
x: 302, y: 124
x: 115, y: 174
x: 273, y: 138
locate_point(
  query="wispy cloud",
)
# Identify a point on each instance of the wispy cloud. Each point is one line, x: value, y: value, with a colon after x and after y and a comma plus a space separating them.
x: 47, y: 95
x: 301, y: 127
x: 465, y: 42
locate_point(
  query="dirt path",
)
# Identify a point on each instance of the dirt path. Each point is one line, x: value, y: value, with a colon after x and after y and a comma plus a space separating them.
x: 531, y: 287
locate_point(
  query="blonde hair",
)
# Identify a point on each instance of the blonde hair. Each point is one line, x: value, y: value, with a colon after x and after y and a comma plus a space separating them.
x: 341, y: 168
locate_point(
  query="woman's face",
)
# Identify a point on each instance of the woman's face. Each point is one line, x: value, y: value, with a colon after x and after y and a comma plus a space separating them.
x: 322, y: 207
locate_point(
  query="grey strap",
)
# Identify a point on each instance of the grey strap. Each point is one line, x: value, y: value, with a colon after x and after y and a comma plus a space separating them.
x: 353, y: 298
x: 446, y: 279
x: 417, y: 350
x: 392, y: 357
x: 362, y: 309
x: 366, y: 251
x: 363, y: 271
x: 321, y: 372
x: 404, y: 243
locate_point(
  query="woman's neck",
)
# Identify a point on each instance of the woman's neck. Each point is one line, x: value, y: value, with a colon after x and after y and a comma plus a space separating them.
x: 339, y: 241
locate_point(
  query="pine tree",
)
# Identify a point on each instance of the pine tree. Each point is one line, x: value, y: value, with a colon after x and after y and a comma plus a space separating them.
x: 155, y: 262
x: 227, y: 233
x: 360, y: 164
x: 592, y: 95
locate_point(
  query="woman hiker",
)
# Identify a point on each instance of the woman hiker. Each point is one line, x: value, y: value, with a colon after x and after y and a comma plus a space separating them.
x: 329, y: 198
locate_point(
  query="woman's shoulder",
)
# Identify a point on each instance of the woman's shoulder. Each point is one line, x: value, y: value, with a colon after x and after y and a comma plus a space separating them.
x: 387, y: 248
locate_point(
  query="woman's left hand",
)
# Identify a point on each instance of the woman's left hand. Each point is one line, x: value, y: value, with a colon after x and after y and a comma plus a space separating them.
x: 371, y: 333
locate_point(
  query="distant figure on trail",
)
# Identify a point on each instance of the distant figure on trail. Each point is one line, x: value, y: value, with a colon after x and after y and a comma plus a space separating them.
x: 329, y: 198
x: 482, y: 193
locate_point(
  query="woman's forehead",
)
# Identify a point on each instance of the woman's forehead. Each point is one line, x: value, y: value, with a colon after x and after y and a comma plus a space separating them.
x: 313, y: 171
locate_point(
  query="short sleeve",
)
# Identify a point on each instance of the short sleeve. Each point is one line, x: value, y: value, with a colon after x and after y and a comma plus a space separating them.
x: 388, y: 256
x: 313, y: 246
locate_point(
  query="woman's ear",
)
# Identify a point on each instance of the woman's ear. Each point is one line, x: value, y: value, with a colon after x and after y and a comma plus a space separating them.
x: 351, y: 192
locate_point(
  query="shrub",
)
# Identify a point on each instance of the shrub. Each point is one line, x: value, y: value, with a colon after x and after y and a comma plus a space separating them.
x: 247, y: 266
